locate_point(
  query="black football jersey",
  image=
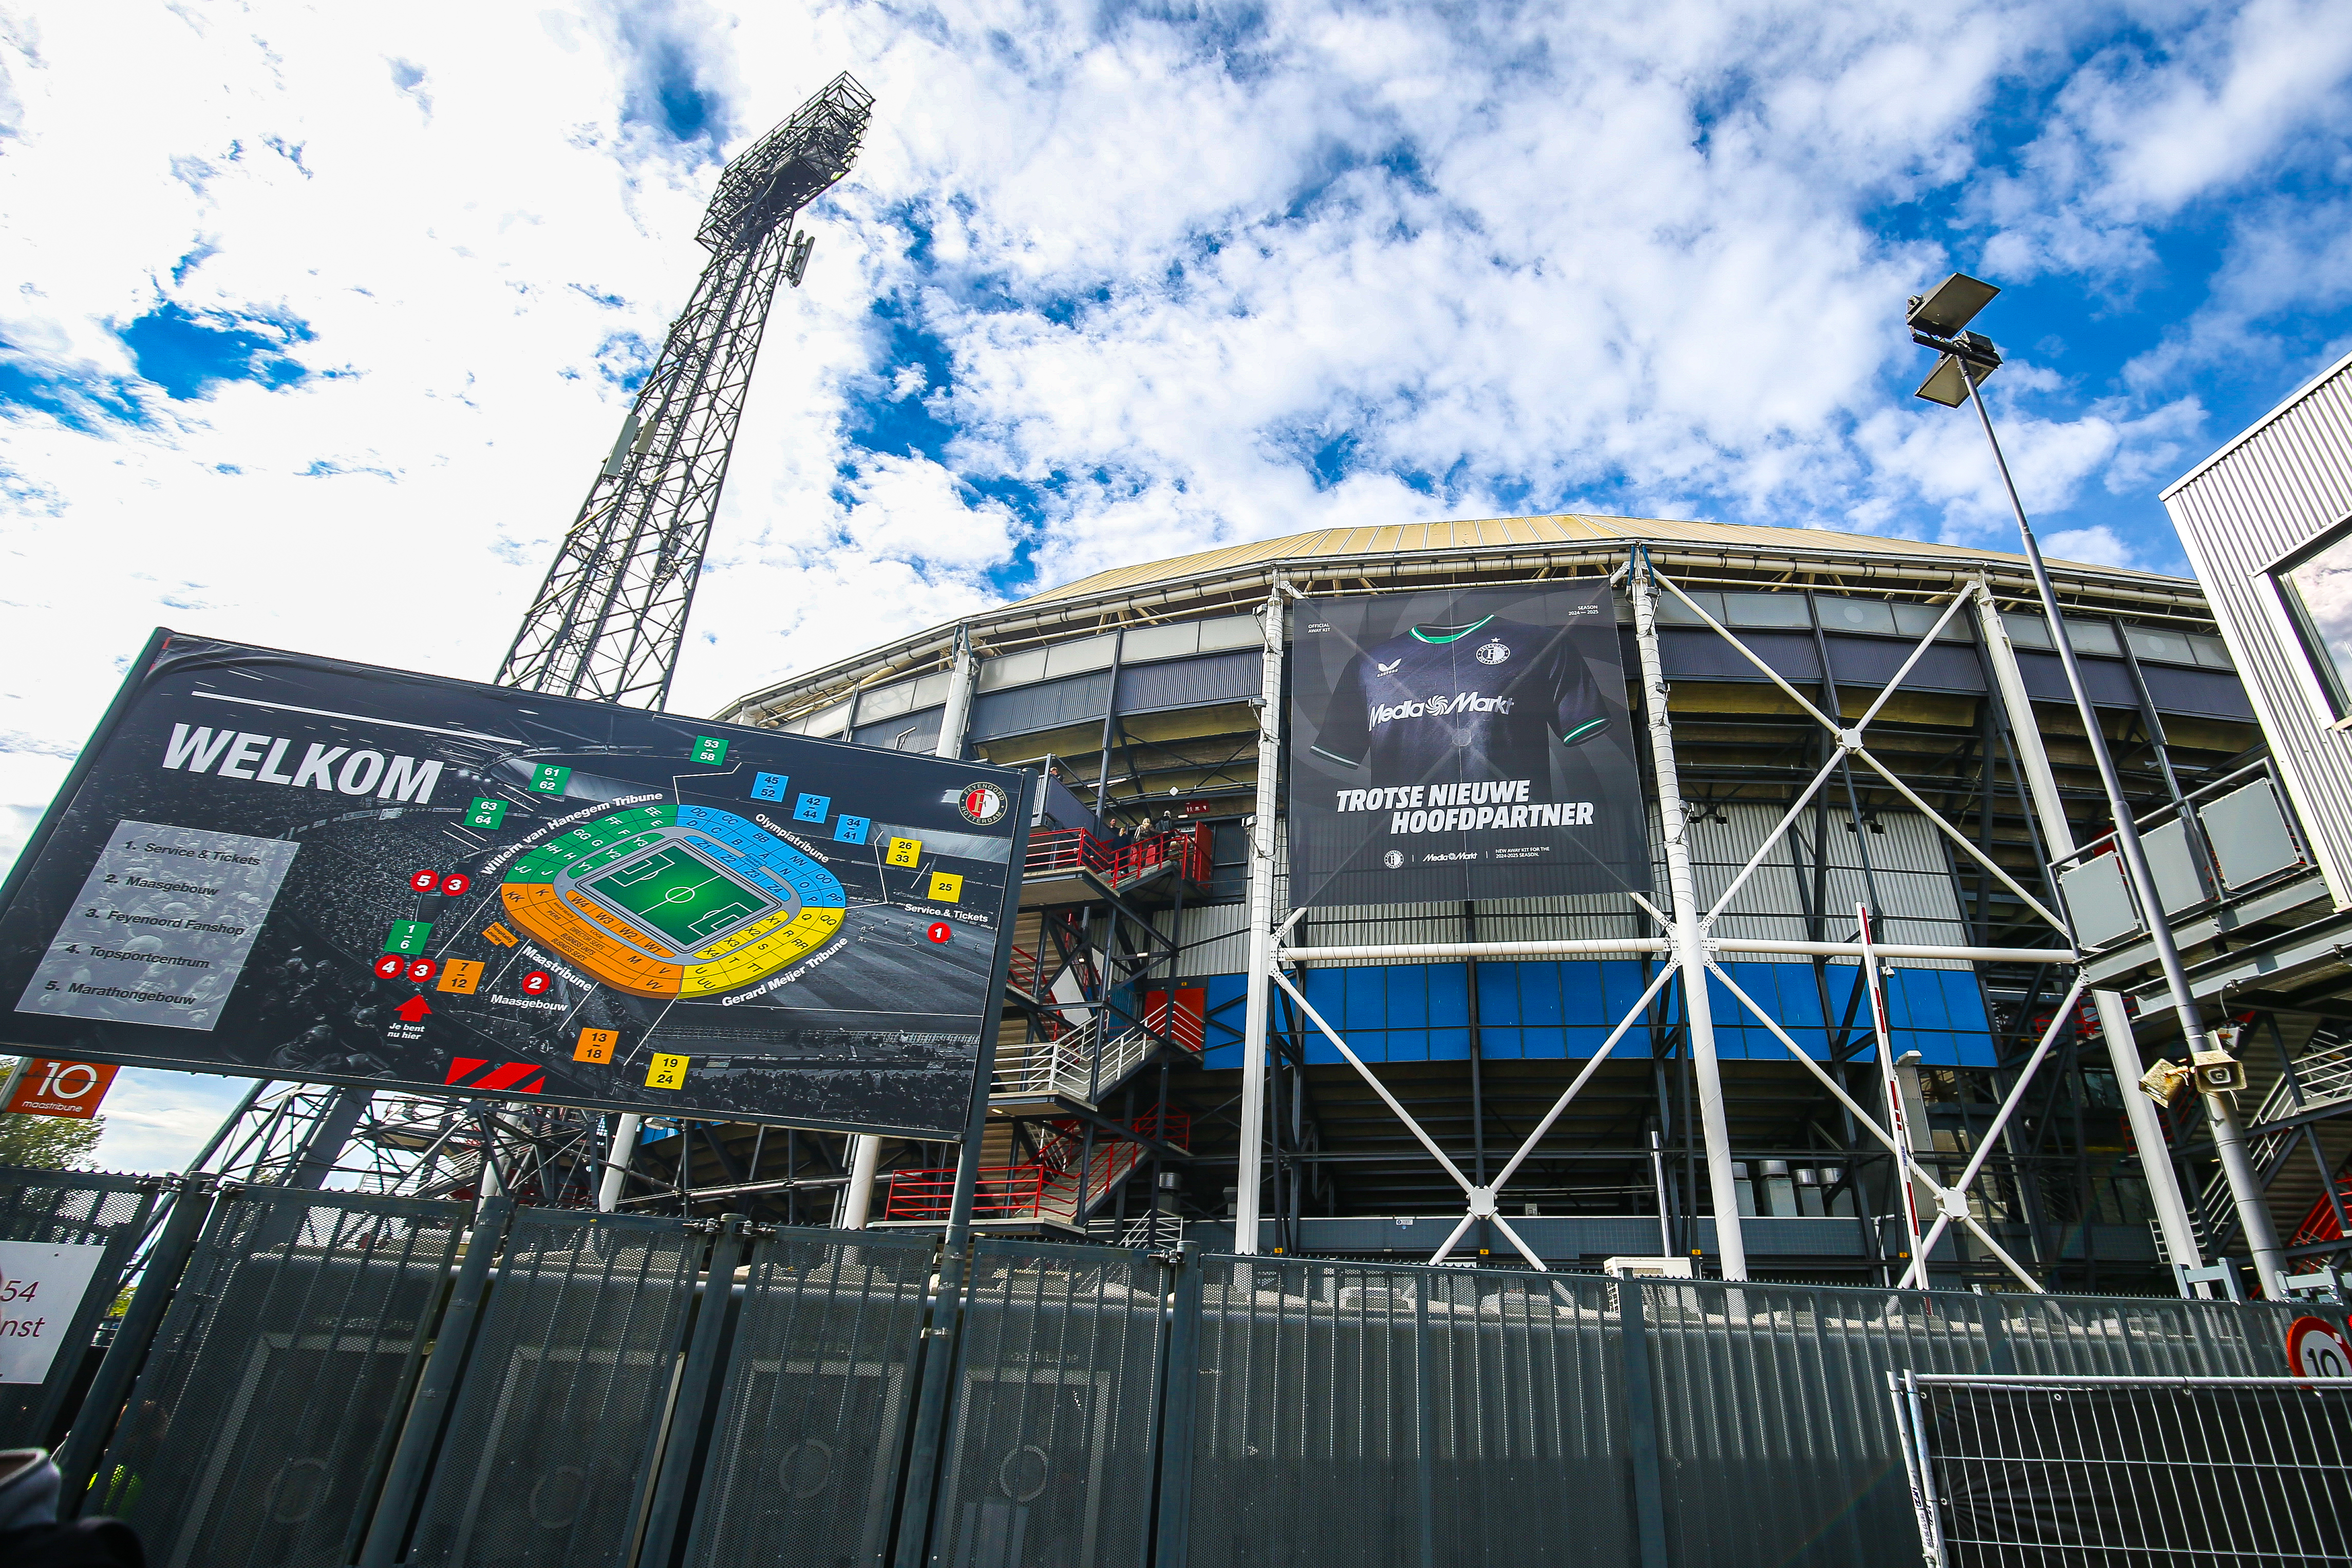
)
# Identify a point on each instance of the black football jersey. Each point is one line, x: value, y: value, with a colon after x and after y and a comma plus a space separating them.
x: 1453, y: 703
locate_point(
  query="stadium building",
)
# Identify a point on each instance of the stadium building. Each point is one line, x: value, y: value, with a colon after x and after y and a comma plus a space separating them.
x: 1140, y: 695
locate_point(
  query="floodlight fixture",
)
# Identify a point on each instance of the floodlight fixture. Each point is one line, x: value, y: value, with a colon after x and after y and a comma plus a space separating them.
x: 1945, y: 383
x: 1950, y: 306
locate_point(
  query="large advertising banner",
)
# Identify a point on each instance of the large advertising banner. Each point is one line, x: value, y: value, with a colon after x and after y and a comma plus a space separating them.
x: 292, y: 867
x: 1466, y: 743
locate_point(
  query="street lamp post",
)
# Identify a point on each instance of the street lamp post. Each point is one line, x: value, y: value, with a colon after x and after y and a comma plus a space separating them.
x: 1938, y: 320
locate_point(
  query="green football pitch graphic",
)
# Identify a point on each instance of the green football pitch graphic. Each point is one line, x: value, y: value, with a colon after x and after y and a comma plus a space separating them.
x: 679, y: 895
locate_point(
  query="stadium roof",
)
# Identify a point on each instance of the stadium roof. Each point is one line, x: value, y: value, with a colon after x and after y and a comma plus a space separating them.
x: 1488, y: 533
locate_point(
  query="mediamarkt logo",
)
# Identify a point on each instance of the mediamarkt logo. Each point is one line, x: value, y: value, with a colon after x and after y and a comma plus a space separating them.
x: 1441, y: 704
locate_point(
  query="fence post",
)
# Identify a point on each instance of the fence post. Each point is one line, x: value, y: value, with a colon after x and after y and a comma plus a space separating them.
x: 932, y: 1399
x: 693, y: 1396
x: 1424, y: 1434
x: 1642, y: 1425
x: 85, y: 1444
x: 430, y: 1408
x: 1178, y: 1403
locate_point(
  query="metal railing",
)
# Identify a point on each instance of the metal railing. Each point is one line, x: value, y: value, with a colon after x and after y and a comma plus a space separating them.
x: 1063, y: 851
x: 1058, y: 1185
x: 2324, y: 1078
x: 1077, y: 1065
x: 2221, y: 842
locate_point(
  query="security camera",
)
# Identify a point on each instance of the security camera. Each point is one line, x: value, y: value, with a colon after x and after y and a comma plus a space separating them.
x: 2219, y: 1072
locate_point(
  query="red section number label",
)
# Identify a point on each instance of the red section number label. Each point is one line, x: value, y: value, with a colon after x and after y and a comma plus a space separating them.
x: 941, y: 931
x: 537, y: 982
x: 425, y: 881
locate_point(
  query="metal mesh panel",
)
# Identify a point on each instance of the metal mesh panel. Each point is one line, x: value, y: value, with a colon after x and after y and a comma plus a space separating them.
x: 60, y: 1209
x: 1050, y: 1452
x: 1367, y: 1415
x: 272, y: 1395
x: 558, y: 1419
x: 815, y: 1403
x: 2141, y: 1475
x: 1775, y: 1395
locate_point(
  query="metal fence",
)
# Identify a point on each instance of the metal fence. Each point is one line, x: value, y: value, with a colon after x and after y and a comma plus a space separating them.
x: 559, y: 1416
x: 337, y: 1380
x: 1774, y: 1396
x: 69, y: 1208
x: 266, y: 1407
x: 2128, y: 1471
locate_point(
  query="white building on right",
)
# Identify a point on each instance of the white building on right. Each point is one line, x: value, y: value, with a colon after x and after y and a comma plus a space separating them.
x: 2267, y: 524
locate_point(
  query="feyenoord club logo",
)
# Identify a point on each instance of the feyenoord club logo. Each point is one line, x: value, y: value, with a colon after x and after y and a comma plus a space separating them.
x: 981, y: 803
x: 1393, y: 859
x: 1493, y: 654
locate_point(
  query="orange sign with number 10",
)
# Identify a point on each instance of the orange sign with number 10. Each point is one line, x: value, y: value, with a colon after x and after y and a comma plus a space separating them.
x: 44, y: 1088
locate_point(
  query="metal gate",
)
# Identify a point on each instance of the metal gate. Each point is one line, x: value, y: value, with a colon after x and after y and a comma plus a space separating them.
x: 558, y: 1421
x: 1414, y: 1417
x: 814, y: 1404
x: 261, y: 1422
x: 1051, y: 1445
x: 69, y: 1208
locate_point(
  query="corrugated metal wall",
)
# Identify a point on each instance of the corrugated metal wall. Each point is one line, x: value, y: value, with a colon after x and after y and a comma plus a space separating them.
x: 1909, y: 866
x: 2286, y: 483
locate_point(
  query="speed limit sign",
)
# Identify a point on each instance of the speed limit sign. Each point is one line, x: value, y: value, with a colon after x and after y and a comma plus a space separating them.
x: 2315, y: 1348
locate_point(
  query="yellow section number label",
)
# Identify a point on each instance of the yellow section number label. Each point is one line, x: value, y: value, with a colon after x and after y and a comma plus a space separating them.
x: 666, y: 1073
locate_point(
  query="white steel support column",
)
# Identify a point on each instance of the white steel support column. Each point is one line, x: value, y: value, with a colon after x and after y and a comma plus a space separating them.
x: 1688, y: 934
x: 616, y: 1163
x: 866, y: 1149
x: 1261, y: 929
x: 2114, y: 1019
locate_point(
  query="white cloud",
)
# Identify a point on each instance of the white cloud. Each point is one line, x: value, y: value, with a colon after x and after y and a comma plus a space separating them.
x: 1470, y: 260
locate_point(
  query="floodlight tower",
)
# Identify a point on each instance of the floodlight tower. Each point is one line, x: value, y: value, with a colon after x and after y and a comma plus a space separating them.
x: 607, y: 623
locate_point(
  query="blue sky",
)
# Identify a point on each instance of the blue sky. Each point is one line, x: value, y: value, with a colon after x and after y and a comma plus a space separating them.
x: 317, y: 321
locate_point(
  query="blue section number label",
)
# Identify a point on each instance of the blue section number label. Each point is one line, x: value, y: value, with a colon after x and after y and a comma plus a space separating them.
x: 851, y: 829
x: 812, y: 808
x: 769, y: 786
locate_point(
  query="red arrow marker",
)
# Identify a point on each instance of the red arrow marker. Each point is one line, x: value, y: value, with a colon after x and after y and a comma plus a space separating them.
x: 413, y: 1010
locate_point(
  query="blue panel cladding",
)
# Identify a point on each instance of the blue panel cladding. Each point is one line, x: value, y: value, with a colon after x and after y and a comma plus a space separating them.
x: 1564, y: 1011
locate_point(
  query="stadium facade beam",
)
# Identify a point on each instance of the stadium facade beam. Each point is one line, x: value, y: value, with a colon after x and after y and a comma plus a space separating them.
x: 1687, y: 929
x: 2115, y: 1016
x: 1263, y: 939
x: 608, y: 621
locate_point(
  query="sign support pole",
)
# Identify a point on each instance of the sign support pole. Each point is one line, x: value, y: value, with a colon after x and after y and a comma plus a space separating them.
x: 941, y: 1337
x: 866, y: 1148
x: 1689, y: 939
x: 1256, y: 1004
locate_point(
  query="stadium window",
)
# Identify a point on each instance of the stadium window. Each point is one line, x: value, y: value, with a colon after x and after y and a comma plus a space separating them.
x: 2315, y: 584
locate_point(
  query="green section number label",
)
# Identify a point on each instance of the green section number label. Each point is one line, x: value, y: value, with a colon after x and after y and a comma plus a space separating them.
x: 486, y: 811
x: 408, y: 937
x: 710, y: 748
x: 548, y: 780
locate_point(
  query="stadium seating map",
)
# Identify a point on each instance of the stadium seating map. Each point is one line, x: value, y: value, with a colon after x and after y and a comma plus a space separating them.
x: 297, y: 868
